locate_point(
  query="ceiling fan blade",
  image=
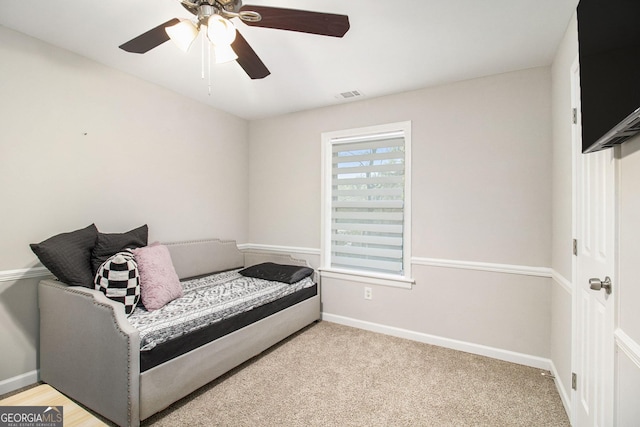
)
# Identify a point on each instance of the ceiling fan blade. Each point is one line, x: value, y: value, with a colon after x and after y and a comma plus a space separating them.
x: 324, y: 24
x: 147, y: 41
x: 248, y: 59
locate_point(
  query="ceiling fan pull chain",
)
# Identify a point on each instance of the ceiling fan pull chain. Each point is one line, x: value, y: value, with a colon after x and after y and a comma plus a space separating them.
x: 202, y: 44
x: 209, y: 60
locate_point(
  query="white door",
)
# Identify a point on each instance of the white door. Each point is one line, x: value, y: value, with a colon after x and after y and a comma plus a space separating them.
x: 594, y: 304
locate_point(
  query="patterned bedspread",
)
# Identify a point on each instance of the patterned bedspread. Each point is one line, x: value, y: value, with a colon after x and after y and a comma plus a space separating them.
x: 207, y: 300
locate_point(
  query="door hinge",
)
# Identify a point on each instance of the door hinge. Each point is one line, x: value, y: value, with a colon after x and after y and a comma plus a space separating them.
x: 575, y: 247
x: 574, y: 381
x: 574, y: 116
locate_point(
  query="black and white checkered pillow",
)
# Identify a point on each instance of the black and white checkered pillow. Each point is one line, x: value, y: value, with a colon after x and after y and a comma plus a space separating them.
x: 118, y: 278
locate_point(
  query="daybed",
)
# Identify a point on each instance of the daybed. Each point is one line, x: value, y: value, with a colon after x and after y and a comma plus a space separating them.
x: 90, y: 351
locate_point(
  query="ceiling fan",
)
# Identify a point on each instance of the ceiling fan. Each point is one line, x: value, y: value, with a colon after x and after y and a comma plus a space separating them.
x: 215, y: 15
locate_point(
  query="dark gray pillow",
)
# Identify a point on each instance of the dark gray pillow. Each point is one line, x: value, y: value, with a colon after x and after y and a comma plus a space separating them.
x: 277, y: 272
x: 109, y: 244
x: 68, y: 255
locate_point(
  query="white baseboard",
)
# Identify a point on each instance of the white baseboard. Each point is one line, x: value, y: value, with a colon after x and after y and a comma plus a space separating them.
x: 482, y: 350
x: 562, y: 390
x: 11, y: 384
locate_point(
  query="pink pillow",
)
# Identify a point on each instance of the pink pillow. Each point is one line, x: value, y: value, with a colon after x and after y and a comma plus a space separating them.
x: 159, y: 283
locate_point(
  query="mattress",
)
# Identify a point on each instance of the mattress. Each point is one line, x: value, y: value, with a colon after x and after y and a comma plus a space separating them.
x: 212, y: 306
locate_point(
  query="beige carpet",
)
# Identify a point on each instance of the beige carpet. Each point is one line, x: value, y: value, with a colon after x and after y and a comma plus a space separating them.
x: 333, y: 375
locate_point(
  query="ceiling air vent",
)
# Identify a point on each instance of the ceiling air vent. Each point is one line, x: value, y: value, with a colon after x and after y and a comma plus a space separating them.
x: 349, y: 95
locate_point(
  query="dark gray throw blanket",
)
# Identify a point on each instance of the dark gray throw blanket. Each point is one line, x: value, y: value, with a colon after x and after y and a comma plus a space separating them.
x: 277, y: 272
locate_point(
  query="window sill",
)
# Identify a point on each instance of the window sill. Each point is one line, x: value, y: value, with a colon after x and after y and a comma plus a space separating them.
x: 369, y: 278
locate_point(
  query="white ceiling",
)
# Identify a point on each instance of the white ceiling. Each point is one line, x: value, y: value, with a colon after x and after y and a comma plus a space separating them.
x: 391, y: 46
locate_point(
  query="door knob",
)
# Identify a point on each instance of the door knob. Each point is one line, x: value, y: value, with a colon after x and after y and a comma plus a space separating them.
x: 597, y: 284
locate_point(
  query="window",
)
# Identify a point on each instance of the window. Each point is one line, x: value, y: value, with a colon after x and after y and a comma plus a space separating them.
x: 366, y: 203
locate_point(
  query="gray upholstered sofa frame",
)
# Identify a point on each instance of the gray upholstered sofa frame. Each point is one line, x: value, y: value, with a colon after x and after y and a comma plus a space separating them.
x: 90, y: 352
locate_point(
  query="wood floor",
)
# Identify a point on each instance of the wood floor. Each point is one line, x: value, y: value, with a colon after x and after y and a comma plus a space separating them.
x: 45, y: 395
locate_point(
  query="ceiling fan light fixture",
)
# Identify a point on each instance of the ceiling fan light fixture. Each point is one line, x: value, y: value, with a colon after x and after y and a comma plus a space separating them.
x: 224, y: 53
x: 220, y: 31
x: 183, y: 34
x: 209, y: 21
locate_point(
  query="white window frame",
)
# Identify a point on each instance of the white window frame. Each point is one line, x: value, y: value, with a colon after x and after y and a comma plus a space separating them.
x: 329, y: 139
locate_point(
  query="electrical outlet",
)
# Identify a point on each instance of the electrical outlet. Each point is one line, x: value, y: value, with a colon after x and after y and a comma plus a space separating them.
x: 368, y: 293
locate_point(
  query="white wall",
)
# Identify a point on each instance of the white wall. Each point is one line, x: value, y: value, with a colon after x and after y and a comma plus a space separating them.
x: 629, y: 312
x: 562, y: 196
x: 627, y: 335
x: 562, y: 168
x: 628, y: 289
x: 81, y: 143
x: 481, y: 193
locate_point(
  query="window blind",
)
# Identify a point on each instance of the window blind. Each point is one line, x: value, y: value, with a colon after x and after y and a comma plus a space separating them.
x: 367, y: 203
